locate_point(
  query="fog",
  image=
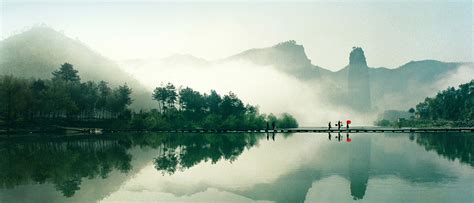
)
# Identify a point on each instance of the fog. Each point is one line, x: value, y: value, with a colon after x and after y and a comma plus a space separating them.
x: 463, y: 74
x: 263, y: 86
x: 311, y: 102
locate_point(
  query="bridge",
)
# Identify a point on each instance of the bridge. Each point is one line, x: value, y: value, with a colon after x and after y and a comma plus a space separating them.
x: 307, y: 130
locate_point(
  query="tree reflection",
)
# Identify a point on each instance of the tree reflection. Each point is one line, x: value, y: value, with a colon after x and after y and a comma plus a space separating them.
x: 62, y: 162
x: 453, y: 146
x: 182, y: 152
x: 65, y: 162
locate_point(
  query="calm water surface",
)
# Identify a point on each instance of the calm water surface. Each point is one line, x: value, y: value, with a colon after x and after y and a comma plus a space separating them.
x: 423, y: 167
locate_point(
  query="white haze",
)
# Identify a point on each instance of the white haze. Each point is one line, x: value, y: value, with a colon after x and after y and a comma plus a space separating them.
x: 463, y: 74
x: 272, y: 91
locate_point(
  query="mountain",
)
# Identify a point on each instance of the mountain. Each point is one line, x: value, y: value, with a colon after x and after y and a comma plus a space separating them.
x: 41, y: 50
x: 288, y: 57
x: 185, y: 59
x: 358, y: 81
x: 365, y: 88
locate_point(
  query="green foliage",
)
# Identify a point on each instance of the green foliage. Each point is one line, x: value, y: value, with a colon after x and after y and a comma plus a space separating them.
x: 166, y: 95
x: 66, y: 73
x: 48, y: 160
x: 64, y: 97
x: 383, y: 122
x: 65, y: 100
x: 190, y: 109
x: 450, y: 104
x: 285, y: 121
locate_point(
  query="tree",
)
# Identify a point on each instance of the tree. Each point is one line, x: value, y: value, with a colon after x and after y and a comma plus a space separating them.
x: 67, y: 73
x: 231, y: 105
x: 213, y: 101
x: 411, y: 111
x: 450, y: 104
x: 14, y: 99
x: 104, y: 98
x: 120, y: 99
x: 171, y: 95
x: 287, y: 121
x: 191, y: 100
x: 166, y: 95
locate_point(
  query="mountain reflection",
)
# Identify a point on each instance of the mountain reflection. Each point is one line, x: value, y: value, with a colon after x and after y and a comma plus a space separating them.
x: 65, y: 162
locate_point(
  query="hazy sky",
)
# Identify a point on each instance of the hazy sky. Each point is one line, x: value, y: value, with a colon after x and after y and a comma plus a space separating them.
x: 391, y: 32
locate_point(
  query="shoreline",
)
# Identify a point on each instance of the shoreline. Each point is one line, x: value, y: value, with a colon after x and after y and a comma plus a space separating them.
x: 65, y: 131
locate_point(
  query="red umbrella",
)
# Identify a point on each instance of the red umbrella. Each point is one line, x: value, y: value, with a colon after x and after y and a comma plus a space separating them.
x: 348, y: 122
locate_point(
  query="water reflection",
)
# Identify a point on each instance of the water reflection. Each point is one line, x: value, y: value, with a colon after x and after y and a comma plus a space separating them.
x: 182, y: 152
x: 67, y: 162
x: 63, y: 163
x: 455, y: 146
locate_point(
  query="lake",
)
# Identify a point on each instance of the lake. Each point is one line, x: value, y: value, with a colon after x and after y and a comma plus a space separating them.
x: 238, y: 167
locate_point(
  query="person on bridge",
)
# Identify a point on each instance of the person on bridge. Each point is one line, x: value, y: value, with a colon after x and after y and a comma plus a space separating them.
x: 329, y: 126
x: 339, y: 124
x: 273, y: 125
x: 266, y: 129
x: 347, y: 124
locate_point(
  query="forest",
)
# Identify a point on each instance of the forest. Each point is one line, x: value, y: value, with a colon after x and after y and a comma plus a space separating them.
x: 450, y: 104
x: 189, y: 109
x: 64, y: 100
x: 452, y: 107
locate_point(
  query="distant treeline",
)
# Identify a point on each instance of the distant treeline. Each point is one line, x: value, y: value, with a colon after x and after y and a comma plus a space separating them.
x: 189, y: 109
x: 450, y: 107
x: 450, y: 104
x: 65, y: 100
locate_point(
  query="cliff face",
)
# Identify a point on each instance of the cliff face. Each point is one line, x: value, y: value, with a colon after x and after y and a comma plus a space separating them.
x: 288, y: 57
x: 357, y: 57
x: 358, y: 81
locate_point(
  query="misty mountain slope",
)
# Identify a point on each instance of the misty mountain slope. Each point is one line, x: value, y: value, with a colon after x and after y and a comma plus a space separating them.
x: 410, y: 83
x: 41, y: 50
x: 185, y: 59
x: 288, y: 57
x: 397, y: 88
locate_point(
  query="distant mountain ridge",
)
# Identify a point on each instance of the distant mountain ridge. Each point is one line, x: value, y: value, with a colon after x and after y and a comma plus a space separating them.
x: 40, y: 50
x: 407, y: 84
x: 288, y: 57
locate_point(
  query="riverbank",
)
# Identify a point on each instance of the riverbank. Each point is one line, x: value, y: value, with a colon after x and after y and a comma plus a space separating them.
x: 422, y: 123
x: 67, y: 131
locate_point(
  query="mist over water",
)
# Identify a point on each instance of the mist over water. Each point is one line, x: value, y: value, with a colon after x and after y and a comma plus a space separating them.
x: 269, y: 89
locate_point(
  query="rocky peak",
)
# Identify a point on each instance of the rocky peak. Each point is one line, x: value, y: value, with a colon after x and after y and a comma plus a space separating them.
x: 357, y: 57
